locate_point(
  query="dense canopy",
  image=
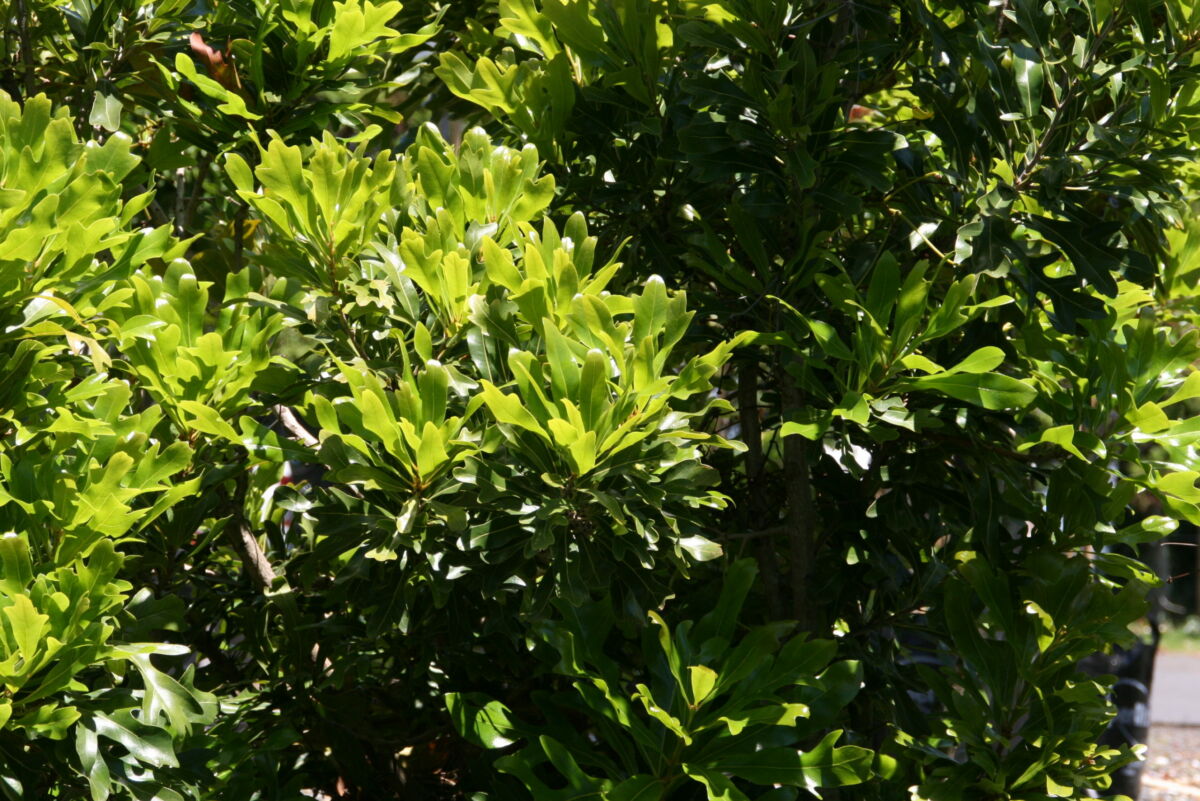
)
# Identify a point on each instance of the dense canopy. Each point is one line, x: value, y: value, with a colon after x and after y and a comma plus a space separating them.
x: 639, y: 400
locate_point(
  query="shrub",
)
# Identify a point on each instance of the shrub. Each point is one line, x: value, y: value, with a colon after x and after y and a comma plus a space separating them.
x: 854, y: 340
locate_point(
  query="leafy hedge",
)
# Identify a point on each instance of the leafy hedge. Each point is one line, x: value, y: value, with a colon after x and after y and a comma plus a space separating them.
x: 629, y: 399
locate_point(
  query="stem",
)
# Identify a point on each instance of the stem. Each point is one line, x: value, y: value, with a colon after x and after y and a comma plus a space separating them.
x: 801, y: 521
x: 239, y: 235
x: 757, y: 507
x: 292, y: 423
x: 26, y: 48
x: 180, y: 199
x: 1027, y: 171
x: 774, y: 531
x: 197, y: 190
x: 253, y: 559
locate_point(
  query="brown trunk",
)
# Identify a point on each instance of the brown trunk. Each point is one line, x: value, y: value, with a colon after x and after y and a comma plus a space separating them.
x: 801, y: 522
x: 758, y: 512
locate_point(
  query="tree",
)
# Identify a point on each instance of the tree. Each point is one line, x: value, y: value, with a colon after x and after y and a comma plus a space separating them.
x: 442, y: 459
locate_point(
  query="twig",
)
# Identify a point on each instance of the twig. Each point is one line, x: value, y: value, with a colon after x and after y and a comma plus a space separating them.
x: 239, y: 236
x: 253, y: 558
x: 26, y: 48
x: 185, y: 220
x: 297, y: 429
x: 180, y: 199
x: 774, y: 531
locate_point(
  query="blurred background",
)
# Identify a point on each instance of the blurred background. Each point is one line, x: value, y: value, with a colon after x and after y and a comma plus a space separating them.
x: 1172, y: 769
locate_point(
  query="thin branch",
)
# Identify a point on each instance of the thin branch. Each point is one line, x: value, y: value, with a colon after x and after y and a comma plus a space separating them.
x: 26, y: 48
x: 774, y: 531
x: 239, y: 236
x: 253, y: 558
x: 180, y: 199
x: 185, y: 220
x: 292, y: 423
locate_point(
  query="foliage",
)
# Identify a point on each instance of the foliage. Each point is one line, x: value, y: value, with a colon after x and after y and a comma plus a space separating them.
x: 83, y: 705
x: 715, y: 709
x: 854, y: 339
x: 190, y: 82
x: 947, y: 222
x: 498, y: 427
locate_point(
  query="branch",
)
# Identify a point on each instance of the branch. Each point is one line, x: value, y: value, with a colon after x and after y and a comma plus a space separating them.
x: 758, y: 506
x: 253, y: 558
x: 292, y: 423
x: 23, y: 18
x: 774, y: 531
x: 802, y: 524
x: 184, y: 220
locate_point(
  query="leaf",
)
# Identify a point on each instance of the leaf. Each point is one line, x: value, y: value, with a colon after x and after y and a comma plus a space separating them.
x: 1101, y: 10
x: 1188, y: 390
x: 828, y: 339
x: 722, y: 619
x: 1062, y: 436
x: 1071, y: 303
x: 669, y: 721
x: 1084, y: 248
x: 481, y: 721
x: 106, y: 112
x: 500, y: 267
x: 1149, y: 529
x: 264, y: 443
x: 87, y: 745
x: 230, y: 103
x: 801, y: 658
x: 1181, y: 484
x: 884, y: 288
x: 771, y: 715
x: 508, y: 409
x: 176, y: 493
x: 208, y: 420
x: 911, y: 304
x: 752, y: 652
x: 239, y: 172
x: 593, y: 388
x: 989, y: 390
x: 717, y: 785
x: 822, y: 766
x: 642, y: 787
x: 434, y: 386
x: 166, y: 702
x: 827, y: 766
x: 1027, y: 64
x: 17, y: 567
x: 356, y: 25
x: 431, y: 453
x: 812, y: 429
x: 702, y: 681
x: 378, y: 420
x: 1148, y: 418
x: 149, y: 745
x: 27, y: 626
x: 562, y: 759
x: 983, y: 360
x: 700, y: 548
